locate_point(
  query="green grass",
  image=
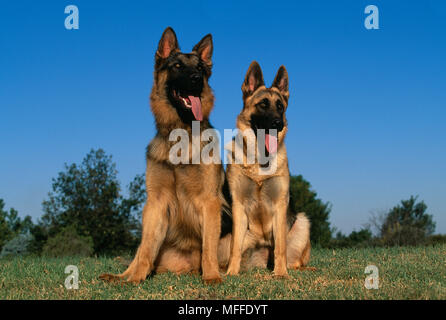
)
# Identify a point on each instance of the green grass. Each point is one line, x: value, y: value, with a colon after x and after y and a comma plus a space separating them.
x: 405, y: 273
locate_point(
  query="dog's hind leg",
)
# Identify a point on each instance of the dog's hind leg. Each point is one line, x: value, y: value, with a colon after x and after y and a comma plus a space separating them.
x: 178, y: 261
x: 155, y: 223
x: 256, y: 258
x: 161, y: 201
x: 224, y: 251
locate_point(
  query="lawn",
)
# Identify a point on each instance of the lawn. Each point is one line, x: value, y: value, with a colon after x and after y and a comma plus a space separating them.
x: 404, y: 273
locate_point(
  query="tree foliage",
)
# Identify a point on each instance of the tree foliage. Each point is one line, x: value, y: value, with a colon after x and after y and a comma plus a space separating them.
x: 67, y: 243
x: 304, y: 199
x: 11, y: 225
x: 88, y: 197
x: 360, y: 239
x: 407, y: 224
x: 18, y: 245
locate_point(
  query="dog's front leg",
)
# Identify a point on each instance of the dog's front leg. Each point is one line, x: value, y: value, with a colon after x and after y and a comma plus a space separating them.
x: 280, y: 237
x: 211, y: 234
x: 239, y: 228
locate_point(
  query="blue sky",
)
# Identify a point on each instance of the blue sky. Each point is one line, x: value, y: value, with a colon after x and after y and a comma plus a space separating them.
x: 367, y: 107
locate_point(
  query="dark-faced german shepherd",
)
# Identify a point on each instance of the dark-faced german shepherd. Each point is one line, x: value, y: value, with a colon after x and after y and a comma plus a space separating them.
x: 261, y: 220
x: 181, y: 218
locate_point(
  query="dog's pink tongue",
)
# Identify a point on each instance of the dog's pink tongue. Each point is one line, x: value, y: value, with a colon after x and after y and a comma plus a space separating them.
x: 196, y: 107
x: 271, y: 143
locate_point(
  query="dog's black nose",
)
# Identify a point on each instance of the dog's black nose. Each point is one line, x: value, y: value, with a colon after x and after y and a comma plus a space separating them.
x: 195, y: 77
x: 277, y: 124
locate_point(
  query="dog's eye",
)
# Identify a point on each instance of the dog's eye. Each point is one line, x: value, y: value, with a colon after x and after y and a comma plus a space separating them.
x: 261, y: 105
x: 177, y: 65
x: 279, y: 106
x: 200, y: 68
x: 264, y: 103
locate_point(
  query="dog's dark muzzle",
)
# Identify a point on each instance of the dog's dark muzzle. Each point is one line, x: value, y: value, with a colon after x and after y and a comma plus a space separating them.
x: 277, y: 124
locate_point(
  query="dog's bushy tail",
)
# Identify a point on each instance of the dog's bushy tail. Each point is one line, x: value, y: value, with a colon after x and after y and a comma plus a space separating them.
x: 298, y: 242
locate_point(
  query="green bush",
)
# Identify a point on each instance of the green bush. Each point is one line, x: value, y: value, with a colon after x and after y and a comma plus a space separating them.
x: 68, y: 243
x: 407, y: 224
x: 11, y: 225
x: 356, y: 239
x: 89, y: 196
x: 17, y: 246
x: 436, y: 239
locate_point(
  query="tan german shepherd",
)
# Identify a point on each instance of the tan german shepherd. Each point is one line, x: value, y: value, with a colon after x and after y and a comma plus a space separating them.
x: 260, y: 198
x: 181, y: 218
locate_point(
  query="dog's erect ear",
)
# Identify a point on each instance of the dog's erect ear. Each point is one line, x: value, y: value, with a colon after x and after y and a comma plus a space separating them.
x: 167, y: 44
x: 204, y: 49
x: 281, y: 82
x: 253, y: 79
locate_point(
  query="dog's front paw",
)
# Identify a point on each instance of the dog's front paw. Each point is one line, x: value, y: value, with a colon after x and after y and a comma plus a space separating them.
x: 212, y: 280
x: 233, y: 270
x: 216, y: 280
x: 295, y: 266
x: 211, y: 276
x: 280, y: 274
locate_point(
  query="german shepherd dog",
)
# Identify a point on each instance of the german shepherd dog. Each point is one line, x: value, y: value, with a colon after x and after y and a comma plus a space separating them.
x: 261, y: 219
x: 182, y: 216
